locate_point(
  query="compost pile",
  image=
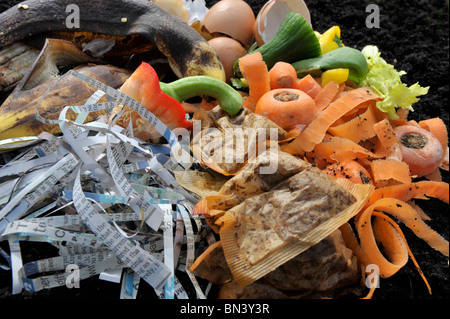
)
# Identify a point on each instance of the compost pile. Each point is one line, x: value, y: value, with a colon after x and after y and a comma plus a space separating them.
x: 412, y: 36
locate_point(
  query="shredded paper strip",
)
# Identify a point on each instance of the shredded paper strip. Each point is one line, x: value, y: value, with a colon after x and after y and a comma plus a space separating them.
x: 108, y: 202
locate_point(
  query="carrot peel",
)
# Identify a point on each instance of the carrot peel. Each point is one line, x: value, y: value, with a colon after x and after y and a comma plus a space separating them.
x: 255, y: 71
x: 315, y: 132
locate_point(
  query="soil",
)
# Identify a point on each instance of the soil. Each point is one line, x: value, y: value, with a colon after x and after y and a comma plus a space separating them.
x: 414, y: 36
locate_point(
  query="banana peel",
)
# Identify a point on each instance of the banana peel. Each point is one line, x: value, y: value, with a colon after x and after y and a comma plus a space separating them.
x: 124, y: 50
x: 15, y: 60
x: 17, y: 113
x: 187, y: 51
x: 55, y: 55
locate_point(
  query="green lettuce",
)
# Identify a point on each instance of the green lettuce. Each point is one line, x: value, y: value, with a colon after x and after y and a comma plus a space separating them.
x: 385, y: 81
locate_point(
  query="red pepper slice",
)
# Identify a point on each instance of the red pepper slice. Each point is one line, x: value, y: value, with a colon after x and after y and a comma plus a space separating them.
x: 143, y: 86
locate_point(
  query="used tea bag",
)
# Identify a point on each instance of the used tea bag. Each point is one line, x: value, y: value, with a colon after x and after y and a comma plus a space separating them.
x: 267, y: 230
x: 264, y: 220
x: 225, y: 144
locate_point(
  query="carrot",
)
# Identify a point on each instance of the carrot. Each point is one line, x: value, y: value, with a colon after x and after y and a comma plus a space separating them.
x: 282, y: 75
x: 287, y: 107
x: 421, y: 150
x: 344, y: 150
x: 255, y: 71
x: 213, y: 207
x: 393, y: 240
x: 413, y: 123
x: 315, y: 132
x: 210, y: 265
x: 388, y: 140
x: 359, y: 128
x: 350, y: 170
x: 309, y: 85
x: 385, y: 232
x: 418, y: 190
x: 408, y: 216
x: 400, y: 233
x: 326, y: 95
x: 402, y: 115
x: 387, y: 172
x: 370, y: 234
x: 320, y: 156
x: 437, y: 127
x: 434, y: 176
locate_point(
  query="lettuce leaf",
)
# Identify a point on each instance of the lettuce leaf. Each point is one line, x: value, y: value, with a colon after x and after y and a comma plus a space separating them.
x: 385, y: 80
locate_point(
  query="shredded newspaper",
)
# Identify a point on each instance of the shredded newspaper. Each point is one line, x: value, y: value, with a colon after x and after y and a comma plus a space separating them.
x: 107, y: 201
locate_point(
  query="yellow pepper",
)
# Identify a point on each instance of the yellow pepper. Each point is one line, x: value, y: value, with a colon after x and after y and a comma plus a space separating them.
x: 330, y: 39
x: 337, y: 75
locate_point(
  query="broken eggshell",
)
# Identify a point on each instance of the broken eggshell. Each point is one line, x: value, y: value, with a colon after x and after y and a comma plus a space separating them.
x: 229, y: 50
x: 272, y: 14
x: 233, y: 18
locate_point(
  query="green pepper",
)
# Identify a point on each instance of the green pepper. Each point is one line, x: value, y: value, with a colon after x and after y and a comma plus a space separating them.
x: 340, y: 58
x: 185, y: 88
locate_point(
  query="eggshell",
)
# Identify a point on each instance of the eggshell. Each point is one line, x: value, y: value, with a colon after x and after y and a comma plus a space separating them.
x: 271, y: 15
x: 229, y: 51
x: 234, y: 18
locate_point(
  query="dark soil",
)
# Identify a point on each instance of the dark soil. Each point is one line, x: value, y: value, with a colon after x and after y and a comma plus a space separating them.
x: 414, y: 36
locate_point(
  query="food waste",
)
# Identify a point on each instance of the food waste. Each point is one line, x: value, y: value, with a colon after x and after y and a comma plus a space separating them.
x: 116, y: 139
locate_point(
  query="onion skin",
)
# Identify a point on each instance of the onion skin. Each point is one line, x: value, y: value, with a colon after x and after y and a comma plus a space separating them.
x: 421, y: 150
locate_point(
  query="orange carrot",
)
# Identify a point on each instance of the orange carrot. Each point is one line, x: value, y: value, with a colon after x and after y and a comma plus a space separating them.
x: 209, y: 265
x: 359, y: 128
x: 287, y: 107
x: 315, y: 132
x: 320, y: 156
x: 255, y: 71
x: 409, y: 217
x: 308, y: 85
x: 282, y: 75
x: 437, y: 127
x: 418, y: 190
x: 390, y: 172
x: 213, y: 207
x: 344, y: 150
x: 402, y: 115
x: 369, y: 239
x: 350, y: 170
x: 421, y: 150
x: 388, y: 140
x: 434, y: 176
x: 326, y: 95
x: 400, y: 234
x: 389, y: 234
